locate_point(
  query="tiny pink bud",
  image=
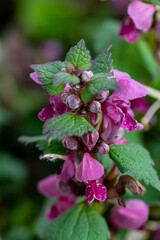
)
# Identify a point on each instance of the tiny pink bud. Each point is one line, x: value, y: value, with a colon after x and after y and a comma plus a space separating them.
x: 101, y: 97
x: 90, y: 140
x: 103, y: 148
x: 86, y: 75
x: 63, y: 70
x: 133, y: 216
x: 64, y: 97
x: 94, y: 107
x: 71, y: 143
x: 73, y: 101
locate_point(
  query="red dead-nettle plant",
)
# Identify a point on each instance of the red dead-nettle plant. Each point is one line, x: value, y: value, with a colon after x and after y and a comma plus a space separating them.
x: 89, y: 111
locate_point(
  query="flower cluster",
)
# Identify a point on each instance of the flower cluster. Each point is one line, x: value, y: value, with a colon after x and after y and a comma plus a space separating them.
x: 109, y: 112
x: 140, y: 18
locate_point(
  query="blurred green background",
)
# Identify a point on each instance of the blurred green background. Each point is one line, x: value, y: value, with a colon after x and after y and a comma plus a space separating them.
x: 38, y: 31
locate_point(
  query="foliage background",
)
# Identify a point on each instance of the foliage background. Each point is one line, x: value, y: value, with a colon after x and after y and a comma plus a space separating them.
x: 25, y: 26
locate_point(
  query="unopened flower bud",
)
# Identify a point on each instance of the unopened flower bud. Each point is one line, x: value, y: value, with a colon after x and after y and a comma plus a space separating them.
x: 64, y: 97
x: 86, y: 75
x: 90, y: 140
x: 133, y: 216
x: 71, y: 143
x: 69, y: 67
x: 103, y: 148
x: 94, y: 107
x: 63, y: 70
x: 73, y: 101
x: 101, y: 97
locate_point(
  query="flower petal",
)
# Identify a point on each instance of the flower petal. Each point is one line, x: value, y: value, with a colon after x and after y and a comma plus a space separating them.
x: 130, y: 124
x: 89, y: 169
x: 68, y: 170
x: 35, y: 77
x: 46, y: 113
x: 100, y: 192
x: 59, y: 107
x: 113, y: 118
x: 89, y: 194
x: 129, y: 31
x: 130, y: 89
x: 141, y: 14
x: 133, y: 216
x: 49, y: 186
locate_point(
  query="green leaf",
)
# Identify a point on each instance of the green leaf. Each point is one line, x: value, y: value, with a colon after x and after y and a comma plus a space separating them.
x: 135, y: 160
x: 27, y: 139
x: 64, y: 77
x: 99, y: 82
x: 79, y: 223
x: 156, y: 2
x: 67, y: 125
x: 47, y: 72
x: 55, y: 146
x: 106, y: 161
x: 102, y: 63
x: 79, y: 56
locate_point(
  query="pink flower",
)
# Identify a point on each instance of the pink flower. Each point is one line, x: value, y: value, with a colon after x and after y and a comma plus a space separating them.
x: 68, y: 170
x: 89, y: 169
x: 129, y: 31
x: 130, y: 124
x: 49, y: 187
x: 130, y: 89
x: 142, y: 14
x: 133, y: 216
x: 140, y: 105
x: 140, y: 18
x: 95, y: 190
x: 63, y: 204
x: 54, y: 109
x: 113, y: 118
